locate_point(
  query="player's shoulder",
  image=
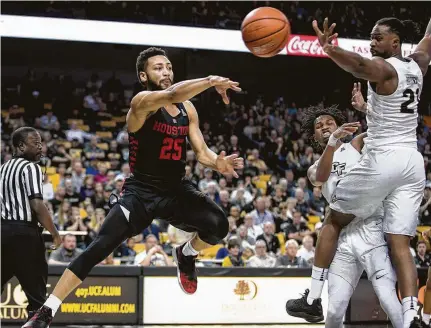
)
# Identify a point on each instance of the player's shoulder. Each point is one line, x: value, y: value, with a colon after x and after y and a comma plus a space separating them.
x: 190, y: 108
x: 138, y: 98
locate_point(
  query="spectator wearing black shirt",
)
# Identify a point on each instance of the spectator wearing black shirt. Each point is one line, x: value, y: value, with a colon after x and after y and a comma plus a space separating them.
x: 72, y: 196
x: 297, y: 229
x: 317, y: 203
x: 224, y: 202
x: 271, y: 240
x: 422, y: 259
x: 425, y: 209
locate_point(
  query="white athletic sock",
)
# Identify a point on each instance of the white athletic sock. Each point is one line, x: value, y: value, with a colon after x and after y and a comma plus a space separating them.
x: 318, y: 277
x: 53, y: 302
x: 426, y: 318
x: 188, y: 250
x: 410, y: 305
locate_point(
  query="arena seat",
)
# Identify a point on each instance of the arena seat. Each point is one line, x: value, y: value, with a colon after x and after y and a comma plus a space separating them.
x: 85, y: 128
x: 282, y: 240
x: 313, y: 219
x: 163, y: 237
x: 210, y: 253
x: 55, y: 180
x: 139, y: 247
x: 311, y: 226
x: 77, y: 122
x: 104, y: 134
x: 103, y: 146
x: 47, y: 106
x: 119, y: 119
x: 108, y: 124
x: 4, y: 113
x: 66, y: 144
x: 265, y: 177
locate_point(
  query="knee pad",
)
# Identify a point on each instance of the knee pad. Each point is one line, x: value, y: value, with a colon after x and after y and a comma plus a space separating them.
x: 217, y: 226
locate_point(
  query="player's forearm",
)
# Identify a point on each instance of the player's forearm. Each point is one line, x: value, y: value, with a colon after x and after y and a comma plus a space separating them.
x: 324, y: 167
x: 347, y: 60
x: 186, y: 90
x: 207, y: 158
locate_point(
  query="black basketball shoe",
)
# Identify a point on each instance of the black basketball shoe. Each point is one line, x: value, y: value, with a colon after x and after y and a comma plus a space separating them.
x: 418, y: 323
x: 41, y: 319
x: 301, y: 309
x: 186, y: 270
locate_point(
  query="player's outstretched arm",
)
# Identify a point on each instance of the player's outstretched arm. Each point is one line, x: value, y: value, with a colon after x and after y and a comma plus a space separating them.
x: 221, y: 163
x: 422, y: 54
x: 374, y: 70
x: 146, y: 102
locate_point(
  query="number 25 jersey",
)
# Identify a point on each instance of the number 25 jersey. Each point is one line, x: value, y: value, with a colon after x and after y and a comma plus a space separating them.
x: 158, y: 148
x: 394, y: 118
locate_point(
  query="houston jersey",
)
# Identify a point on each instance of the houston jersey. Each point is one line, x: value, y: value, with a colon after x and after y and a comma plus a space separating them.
x: 158, y: 148
x: 345, y: 157
x: 395, y: 116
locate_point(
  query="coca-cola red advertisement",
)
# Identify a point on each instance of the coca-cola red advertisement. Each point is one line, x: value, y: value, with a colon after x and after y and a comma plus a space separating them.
x: 305, y: 45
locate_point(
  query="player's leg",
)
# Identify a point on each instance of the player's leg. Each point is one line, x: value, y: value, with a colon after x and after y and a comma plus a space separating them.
x: 427, y: 302
x: 400, y: 222
x: 359, y: 194
x: 114, y: 230
x: 195, y: 212
x: 381, y: 274
x: 344, y: 274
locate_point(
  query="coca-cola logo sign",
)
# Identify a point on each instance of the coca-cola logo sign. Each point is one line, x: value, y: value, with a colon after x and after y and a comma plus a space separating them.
x: 305, y: 45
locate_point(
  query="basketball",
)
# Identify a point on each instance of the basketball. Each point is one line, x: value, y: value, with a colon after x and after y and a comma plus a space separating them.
x: 265, y: 31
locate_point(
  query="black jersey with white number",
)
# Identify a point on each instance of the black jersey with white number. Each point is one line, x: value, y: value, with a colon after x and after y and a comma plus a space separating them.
x: 159, y: 148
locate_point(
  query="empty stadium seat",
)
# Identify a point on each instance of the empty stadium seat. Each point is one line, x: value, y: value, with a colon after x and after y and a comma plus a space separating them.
x: 104, y: 134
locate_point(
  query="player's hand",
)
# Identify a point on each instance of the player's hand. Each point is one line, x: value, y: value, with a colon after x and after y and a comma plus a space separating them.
x: 56, y: 241
x: 347, y: 129
x: 222, y: 84
x: 227, y: 165
x: 358, y: 101
x: 325, y: 38
x: 427, y: 235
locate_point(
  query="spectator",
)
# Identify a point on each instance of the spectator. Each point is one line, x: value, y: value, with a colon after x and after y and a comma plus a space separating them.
x: 224, y: 201
x: 290, y: 259
x: 425, y: 209
x: 261, y: 259
x: 48, y: 190
x: 203, y: 184
x: 241, y: 197
x: 62, y: 215
x: 243, y: 239
x: 70, y: 194
x: 233, y: 259
x: 261, y: 214
x: 48, y: 121
x: 301, y: 204
x: 232, y: 227
x: 67, y: 251
x: 307, y: 249
x: 422, y: 259
x: 78, y: 176
x: 92, y: 150
x: 76, y: 133
x: 317, y: 203
x: 271, y: 240
x: 153, y: 254
x: 253, y: 231
x: 297, y: 229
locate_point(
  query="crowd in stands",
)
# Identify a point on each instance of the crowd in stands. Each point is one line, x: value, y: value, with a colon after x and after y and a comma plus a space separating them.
x: 274, y: 214
x: 354, y: 19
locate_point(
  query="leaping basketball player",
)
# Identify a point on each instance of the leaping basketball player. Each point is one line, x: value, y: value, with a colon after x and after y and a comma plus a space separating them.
x: 391, y: 169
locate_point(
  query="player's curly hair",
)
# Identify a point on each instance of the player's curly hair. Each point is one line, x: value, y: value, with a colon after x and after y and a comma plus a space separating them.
x: 407, y: 30
x: 142, y: 60
x: 310, y: 114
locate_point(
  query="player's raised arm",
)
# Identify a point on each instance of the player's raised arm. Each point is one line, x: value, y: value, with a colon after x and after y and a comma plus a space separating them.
x: 221, y: 163
x: 422, y: 54
x: 149, y: 101
x: 374, y: 70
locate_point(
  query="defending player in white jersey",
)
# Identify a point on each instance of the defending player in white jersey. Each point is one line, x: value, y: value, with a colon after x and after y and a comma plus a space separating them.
x: 391, y: 169
x: 362, y: 244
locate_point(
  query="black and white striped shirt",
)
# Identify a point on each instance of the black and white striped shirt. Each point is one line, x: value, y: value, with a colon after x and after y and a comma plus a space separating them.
x: 20, y: 181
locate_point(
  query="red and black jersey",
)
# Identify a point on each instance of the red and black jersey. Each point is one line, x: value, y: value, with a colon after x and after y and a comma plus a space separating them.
x: 158, y: 148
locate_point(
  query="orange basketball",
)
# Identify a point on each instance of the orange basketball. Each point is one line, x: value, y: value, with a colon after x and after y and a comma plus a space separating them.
x: 265, y: 31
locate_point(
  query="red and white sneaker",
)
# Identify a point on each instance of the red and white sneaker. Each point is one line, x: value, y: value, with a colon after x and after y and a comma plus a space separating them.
x: 186, y: 270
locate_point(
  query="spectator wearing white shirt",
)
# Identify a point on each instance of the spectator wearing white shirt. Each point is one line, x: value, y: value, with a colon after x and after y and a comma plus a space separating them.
x: 203, y: 184
x: 252, y: 230
x: 241, y: 196
x: 48, y: 190
x: 75, y: 133
x: 307, y: 250
x: 48, y: 121
x: 153, y: 254
x: 262, y: 259
x: 261, y: 214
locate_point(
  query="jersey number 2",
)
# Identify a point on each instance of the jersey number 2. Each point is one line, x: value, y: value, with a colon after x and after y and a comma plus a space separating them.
x: 171, y: 149
x: 411, y: 94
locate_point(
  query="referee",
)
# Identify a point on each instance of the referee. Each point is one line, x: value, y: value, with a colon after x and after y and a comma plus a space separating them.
x: 22, y: 207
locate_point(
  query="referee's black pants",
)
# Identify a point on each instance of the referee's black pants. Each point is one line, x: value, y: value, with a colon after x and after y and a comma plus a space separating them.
x: 23, y: 256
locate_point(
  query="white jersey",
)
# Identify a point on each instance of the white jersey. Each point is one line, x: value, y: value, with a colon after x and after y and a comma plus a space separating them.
x: 369, y: 231
x: 345, y: 157
x: 395, y: 116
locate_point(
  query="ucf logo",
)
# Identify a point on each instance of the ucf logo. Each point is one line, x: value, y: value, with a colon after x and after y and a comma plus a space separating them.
x: 338, y: 168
